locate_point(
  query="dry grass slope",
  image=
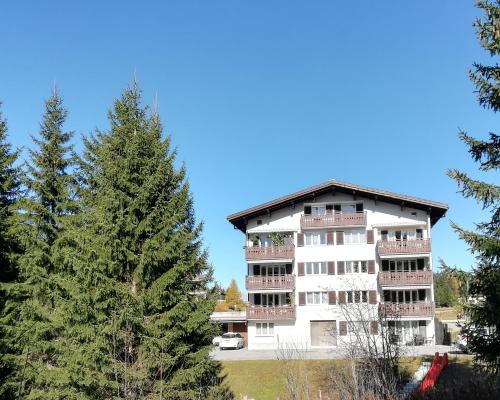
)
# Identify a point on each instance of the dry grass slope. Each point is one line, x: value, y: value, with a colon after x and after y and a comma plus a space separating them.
x: 265, y: 380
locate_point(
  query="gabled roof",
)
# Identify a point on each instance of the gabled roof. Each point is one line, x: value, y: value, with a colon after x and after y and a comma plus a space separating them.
x: 436, y: 210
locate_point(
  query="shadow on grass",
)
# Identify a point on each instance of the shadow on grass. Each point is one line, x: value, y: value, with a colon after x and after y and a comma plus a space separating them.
x: 460, y: 381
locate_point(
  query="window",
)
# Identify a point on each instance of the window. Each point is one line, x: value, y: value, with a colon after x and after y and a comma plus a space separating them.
x: 315, y: 298
x: 357, y: 296
x: 316, y: 268
x: 348, y: 208
x: 355, y: 267
x: 401, y: 235
x: 265, y: 328
x: 355, y: 236
x: 318, y: 210
x: 358, y: 326
x: 315, y: 239
x: 404, y: 296
x: 270, y: 299
x: 274, y: 270
x: 402, y: 265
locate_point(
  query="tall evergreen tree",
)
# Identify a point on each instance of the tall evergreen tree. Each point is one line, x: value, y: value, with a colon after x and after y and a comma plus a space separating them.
x: 140, y: 316
x: 484, y: 242
x: 35, y: 316
x: 9, y: 191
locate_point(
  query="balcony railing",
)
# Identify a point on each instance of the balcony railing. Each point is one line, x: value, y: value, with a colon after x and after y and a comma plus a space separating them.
x: 418, y: 309
x: 279, y: 312
x: 333, y: 220
x: 270, y: 252
x: 270, y: 282
x: 386, y: 278
x: 413, y: 246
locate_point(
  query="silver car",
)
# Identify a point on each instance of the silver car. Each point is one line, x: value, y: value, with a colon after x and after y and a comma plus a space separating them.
x: 231, y: 340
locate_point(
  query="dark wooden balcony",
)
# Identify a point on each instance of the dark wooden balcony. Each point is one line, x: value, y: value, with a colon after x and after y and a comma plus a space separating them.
x: 417, y: 309
x: 261, y: 282
x: 270, y: 252
x: 270, y: 313
x: 414, y: 246
x: 386, y: 278
x: 330, y: 220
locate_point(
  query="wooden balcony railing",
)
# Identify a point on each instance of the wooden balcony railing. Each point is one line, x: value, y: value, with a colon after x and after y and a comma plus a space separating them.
x: 279, y: 312
x: 386, y: 278
x: 418, y: 309
x: 414, y: 246
x: 270, y: 252
x: 332, y: 220
x: 270, y: 282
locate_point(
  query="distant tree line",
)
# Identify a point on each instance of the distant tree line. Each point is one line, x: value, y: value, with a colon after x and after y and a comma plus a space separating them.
x: 99, y: 258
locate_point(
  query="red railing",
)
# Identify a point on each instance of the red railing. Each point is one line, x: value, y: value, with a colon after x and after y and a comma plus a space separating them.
x: 387, y: 278
x: 270, y: 252
x: 270, y: 282
x: 279, y: 312
x: 333, y: 219
x: 417, y: 309
x: 432, y: 376
x: 413, y: 246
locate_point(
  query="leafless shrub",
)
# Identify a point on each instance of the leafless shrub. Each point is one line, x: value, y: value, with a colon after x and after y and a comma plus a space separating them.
x: 296, y: 374
x: 372, y: 353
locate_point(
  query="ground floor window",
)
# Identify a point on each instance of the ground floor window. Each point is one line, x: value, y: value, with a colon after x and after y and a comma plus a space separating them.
x: 408, y: 332
x: 323, y: 333
x: 265, y: 328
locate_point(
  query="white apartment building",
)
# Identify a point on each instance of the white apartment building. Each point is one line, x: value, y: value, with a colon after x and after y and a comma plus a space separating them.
x: 312, y: 253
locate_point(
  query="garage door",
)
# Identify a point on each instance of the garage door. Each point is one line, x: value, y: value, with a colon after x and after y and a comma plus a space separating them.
x: 323, y: 333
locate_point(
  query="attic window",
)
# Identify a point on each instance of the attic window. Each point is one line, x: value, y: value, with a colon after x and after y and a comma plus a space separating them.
x: 259, y: 222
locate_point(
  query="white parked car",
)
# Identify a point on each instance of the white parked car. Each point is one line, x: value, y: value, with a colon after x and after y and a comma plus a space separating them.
x: 461, y: 342
x: 216, y: 340
x: 231, y: 340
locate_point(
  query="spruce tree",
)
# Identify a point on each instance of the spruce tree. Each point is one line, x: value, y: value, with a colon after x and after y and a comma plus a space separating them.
x: 140, y: 316
x: 9, y: 191
x: 484, y: 241
x: 35, y: 316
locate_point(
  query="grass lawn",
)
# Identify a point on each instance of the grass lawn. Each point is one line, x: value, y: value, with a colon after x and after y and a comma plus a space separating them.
x: 265, y: 379
x: 459, y: 369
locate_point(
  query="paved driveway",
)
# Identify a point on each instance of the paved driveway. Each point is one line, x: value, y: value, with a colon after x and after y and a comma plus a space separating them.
x: 313, y: 354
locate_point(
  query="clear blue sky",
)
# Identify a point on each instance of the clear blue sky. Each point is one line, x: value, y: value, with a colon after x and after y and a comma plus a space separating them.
x: 263, y: 98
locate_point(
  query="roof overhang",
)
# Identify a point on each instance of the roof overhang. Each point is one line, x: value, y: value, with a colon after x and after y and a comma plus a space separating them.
x: 436, y: 210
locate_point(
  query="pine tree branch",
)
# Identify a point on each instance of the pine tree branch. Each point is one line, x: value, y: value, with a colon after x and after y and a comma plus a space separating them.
x: 482, y: 192
x: 485, y: 152
x: 484, y: 245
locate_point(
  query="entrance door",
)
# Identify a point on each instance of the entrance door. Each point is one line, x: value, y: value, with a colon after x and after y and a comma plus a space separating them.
x: 323, y: 333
